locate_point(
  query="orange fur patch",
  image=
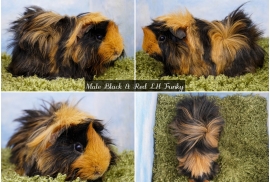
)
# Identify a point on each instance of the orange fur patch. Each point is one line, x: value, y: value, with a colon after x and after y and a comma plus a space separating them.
x: 45, y: 136
x: 194, y: 132
x: 186, y: 22
x: 112, y: 46
x: 88, y: 19
x: 93, y: 163
x: 150, y: 43
x: 197, y: 163
x: 178, y: 20
x: 187, y: 62
x: 81, y: 23
x: 226, y: 42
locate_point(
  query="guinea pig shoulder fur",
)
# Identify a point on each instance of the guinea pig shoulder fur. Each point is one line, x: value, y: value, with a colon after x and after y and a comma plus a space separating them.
x: 197, y: 127
x: 50, y: 45
x: 61, y: 139
x: 191, y: 46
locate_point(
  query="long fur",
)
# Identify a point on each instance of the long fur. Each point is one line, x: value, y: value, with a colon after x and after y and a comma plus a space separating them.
x: 49, y: 45
x: 197, y: 128
x: 191, y: 46
x: 61, y: 139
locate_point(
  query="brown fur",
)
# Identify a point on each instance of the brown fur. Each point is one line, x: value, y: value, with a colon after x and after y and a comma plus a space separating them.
x: 39, y: 146
x: 66, y: 116
x: 111, y: 48
x: 150, y: 44
x: 226, y: 42
x: 99, y: 163
x: 204, y: 48
x: 50, y: 45
x: 197, y: 127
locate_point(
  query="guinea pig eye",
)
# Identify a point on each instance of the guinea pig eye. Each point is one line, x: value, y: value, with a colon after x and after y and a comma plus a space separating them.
x: 78, y: 147
x: 161, y: 38
x: 99, y: 37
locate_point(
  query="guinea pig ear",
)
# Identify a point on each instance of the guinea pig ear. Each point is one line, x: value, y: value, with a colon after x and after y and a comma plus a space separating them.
x: 97, y: 125
x: 85, y: 30
x: 180, y: 33
x: 54, y: 137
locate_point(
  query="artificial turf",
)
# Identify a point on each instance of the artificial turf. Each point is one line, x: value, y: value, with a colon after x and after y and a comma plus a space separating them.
x: 122, y: 70
x: 243, y: 144
x: 123, y: 171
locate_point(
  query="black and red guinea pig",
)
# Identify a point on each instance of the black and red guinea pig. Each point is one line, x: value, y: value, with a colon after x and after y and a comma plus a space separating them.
x: 50, y: 45
x: 192, y: 46
x: 61, y: 139
x: 197, y: 127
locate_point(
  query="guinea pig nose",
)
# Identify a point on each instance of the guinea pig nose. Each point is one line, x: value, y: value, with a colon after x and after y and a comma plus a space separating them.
x: 116, y: 53
x: 97, y: 173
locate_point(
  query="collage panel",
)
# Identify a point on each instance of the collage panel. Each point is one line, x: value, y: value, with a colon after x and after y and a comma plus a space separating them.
x: 67, y: 135
x: 206, y: 136
x: 59, y: 45
x: 213, y: 46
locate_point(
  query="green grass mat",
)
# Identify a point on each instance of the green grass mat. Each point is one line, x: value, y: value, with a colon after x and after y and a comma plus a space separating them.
x: 123, y: 171
x: 149, y: 69
x: 122, y: 70
x: 243, y: 145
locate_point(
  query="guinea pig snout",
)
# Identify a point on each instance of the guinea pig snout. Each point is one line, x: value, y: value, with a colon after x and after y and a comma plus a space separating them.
x: 113, y: 45
x: 116, y: 54
x: 150, y: 44
x: 97, y: 172
x: 96, y: 158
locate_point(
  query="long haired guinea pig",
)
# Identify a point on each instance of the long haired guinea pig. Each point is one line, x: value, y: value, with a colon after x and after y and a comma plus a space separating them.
x: 49, y: 45
x: 197, y: 127
x: 191, y: 46
x: 61, y: 139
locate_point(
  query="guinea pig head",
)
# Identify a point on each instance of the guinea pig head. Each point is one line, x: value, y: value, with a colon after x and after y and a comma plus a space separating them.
x: 70, y: 142
x: 79, y: 151
x: 168, y: 39
x: 95, y: 156
x: 96, y: 42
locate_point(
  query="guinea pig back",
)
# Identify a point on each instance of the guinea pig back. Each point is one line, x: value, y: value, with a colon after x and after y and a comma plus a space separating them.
x: 61, y: 139
x: 197, y: 127
x: 191, y: 46
x: 49, y: 45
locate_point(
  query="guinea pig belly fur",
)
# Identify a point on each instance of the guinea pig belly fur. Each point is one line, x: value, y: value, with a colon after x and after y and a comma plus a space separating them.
x: 49, y: 45
x: 191, y: 46
x: 197, y: 128
x: 61, y: 139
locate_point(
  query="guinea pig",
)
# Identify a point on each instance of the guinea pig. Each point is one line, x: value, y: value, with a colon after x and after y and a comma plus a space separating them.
x: 191, y: 46
x: 49, y: 45
x: 197, y: 127
x: 61, y: 139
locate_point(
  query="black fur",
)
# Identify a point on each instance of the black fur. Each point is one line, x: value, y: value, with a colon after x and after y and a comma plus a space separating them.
x: 173, y: 48
x: 170, y: 44
x: 202, y: 111
x: 62, y: 150
x: 28, y: 59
